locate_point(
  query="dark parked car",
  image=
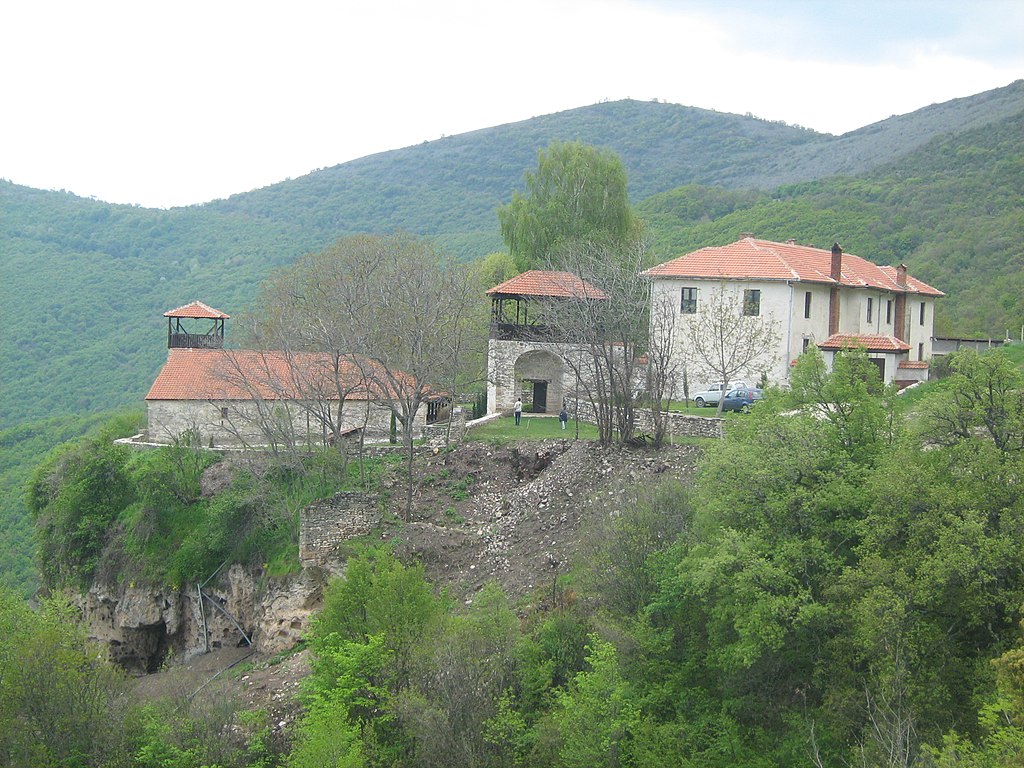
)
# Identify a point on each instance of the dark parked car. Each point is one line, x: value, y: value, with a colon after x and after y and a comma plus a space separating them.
x: 741, y: 399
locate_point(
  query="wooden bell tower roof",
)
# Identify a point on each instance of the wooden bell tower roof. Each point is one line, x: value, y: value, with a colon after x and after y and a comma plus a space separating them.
x: 192, y: 334
x: 199, y: 311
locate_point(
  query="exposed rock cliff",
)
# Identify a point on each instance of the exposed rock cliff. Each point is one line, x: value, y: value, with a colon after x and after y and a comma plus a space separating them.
x: 143, y: 627
x: 512, y: 515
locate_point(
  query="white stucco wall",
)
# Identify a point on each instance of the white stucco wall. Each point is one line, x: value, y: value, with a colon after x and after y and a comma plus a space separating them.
x: 776, y: 306
x: 783, y: 302
x: 920, y: 335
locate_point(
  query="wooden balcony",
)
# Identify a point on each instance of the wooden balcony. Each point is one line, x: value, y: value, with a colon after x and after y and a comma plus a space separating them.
x: 194, y: 341
x: 516, y: 332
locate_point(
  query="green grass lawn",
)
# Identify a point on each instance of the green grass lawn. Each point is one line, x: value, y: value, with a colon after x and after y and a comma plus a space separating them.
x: 504, y: 430
x: 687, y: 408
x: 1015, y: 352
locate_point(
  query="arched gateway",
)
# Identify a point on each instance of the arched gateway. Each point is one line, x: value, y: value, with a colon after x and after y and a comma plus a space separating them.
x: 525, y: 353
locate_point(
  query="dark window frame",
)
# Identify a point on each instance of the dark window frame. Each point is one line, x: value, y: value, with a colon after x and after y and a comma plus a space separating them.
x: 807, y: 305
x: 922, y: 313
x: 688, y: 301
x: 752, y: 302
x: 871, y: 306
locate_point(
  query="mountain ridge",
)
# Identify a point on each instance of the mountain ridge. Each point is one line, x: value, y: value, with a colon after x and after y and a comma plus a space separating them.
x: 83, y: 283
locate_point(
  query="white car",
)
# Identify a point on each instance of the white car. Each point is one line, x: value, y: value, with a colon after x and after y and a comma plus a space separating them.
x: 713, y: 393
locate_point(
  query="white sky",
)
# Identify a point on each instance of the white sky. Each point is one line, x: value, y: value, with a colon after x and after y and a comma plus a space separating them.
x: 164, y: 103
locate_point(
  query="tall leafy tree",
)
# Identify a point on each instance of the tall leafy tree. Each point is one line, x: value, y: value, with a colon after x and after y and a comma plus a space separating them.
x: 577, y: 194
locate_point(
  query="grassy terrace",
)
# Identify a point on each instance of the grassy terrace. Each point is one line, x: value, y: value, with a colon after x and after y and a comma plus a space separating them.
x: 504, y: 431
x: 534, y: 427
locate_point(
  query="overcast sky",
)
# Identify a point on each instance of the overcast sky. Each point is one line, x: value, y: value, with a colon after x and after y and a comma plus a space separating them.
x: 163, y: 103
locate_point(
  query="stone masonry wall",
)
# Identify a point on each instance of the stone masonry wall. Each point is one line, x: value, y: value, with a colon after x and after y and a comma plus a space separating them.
x: 679, y: 425
x: 439, y: 432
x: 238, y: 423
x: 326, y: 524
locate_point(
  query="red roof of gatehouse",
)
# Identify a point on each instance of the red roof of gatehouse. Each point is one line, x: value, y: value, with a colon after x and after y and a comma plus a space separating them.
x: 548, y: 283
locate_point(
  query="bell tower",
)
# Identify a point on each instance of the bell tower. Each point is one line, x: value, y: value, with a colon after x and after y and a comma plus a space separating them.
x: 195, y: 326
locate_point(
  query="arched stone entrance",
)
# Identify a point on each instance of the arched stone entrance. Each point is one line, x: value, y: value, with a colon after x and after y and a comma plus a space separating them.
x: 533, y: 371
x: 539, y: 378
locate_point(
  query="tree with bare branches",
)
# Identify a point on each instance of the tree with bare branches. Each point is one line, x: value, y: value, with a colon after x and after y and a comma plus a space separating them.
x: 391, y: 307
x: 606, y: 338
x: 725, y: 339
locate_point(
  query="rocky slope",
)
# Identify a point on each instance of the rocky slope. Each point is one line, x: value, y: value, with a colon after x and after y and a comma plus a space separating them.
x: 516, y: 515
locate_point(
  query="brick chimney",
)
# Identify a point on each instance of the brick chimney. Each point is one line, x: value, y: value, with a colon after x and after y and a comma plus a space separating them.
x: 901, y: 275
x: 900, y: 321
x: 836, y: 273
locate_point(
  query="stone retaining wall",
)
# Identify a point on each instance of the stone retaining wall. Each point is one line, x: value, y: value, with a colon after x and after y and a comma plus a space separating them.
x: 679, y: 424
x: 438, y: 434
x: 326, y: 524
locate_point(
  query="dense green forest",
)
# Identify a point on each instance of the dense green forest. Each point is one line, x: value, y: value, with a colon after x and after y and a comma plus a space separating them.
x: 826, y: 592
x: 83, y: 283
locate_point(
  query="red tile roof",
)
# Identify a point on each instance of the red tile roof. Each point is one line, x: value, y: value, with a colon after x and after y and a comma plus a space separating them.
x: 198, y: 310
x: 754, y: 259
x: 870, y: 342
x: 220, y: 374
x: 542, y: 282
x: 918, y: 364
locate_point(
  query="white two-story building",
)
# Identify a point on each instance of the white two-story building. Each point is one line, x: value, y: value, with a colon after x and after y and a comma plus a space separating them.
x: 813, y: 296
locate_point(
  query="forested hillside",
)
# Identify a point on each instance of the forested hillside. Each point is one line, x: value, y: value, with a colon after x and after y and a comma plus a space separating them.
x: 819, y: 590
x: 952, y: 210
x: 83, y: 283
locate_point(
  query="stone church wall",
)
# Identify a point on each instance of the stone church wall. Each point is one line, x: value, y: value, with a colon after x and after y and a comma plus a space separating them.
x: 240, y: 423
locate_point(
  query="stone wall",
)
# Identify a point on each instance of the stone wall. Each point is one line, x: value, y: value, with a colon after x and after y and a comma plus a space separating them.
x: 440, y: 433
x: 511, y: 364
x: 326, y: 524
x: 679, y: 425
x: 242, y: 423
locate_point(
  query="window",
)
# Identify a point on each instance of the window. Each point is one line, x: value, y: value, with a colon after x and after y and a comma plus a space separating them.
x: 888, y: 312
x: 688, y: 302
x: 224, y: 412
x: 920, y: 351
x: 807, y: 343
x: 807, y: 304
x: 871, y: 304
x: 922, y: 313
x: 751, y: 303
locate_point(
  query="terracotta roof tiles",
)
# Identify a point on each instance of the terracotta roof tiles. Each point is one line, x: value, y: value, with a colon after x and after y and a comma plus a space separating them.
x: 753, y: 259
x: 220, y: 374
x: 542, y: 282
x: 198, y: 310
x: 870, y: 342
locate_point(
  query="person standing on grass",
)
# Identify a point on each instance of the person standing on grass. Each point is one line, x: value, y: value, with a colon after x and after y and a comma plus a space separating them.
x: 518, y: 410
x: 563, y: 416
